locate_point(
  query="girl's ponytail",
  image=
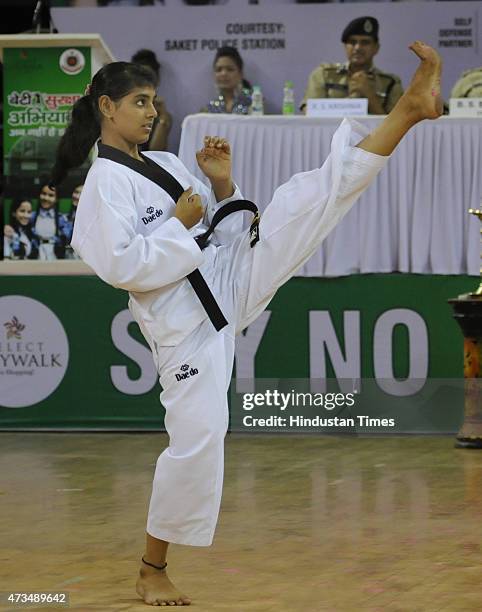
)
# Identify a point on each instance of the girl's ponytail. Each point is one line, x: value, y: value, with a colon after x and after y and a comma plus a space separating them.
x: 115, y: 80
x: 79, y: 138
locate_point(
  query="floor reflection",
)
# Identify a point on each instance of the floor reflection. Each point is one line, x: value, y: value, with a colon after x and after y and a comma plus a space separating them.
x: 307, y: 523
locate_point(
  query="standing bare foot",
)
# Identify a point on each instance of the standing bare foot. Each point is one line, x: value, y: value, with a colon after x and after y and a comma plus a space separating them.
x: 155, y: 588
x: 423, y: 94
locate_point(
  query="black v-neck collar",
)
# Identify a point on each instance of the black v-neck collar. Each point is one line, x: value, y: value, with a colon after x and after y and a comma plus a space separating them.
x: 148, y: 168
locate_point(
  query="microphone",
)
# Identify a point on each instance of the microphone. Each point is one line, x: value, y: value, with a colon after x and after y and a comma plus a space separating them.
x: 41, y: 19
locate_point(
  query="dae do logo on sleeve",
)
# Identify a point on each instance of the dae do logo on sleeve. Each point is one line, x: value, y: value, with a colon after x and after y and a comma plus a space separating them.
x: 34, y: 351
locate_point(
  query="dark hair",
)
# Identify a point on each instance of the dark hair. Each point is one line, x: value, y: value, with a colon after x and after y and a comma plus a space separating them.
x: 232, y: 53
x: 15, y: 223
x: 115, y: 80
x: 146, y: 57
x: 44, y: 182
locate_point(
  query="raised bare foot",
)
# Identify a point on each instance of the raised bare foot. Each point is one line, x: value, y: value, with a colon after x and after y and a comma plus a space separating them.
x: 423, y: 93
x: 155, y: 588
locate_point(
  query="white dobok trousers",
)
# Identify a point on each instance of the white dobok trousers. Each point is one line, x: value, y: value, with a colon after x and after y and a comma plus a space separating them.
x: 195, y: 375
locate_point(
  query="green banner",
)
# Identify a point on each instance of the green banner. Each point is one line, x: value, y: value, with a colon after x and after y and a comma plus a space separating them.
x: 71, y: 356
x: 40, y: 87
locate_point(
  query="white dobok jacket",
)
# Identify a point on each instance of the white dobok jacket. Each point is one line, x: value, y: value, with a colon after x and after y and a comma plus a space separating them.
x: 125, y: 230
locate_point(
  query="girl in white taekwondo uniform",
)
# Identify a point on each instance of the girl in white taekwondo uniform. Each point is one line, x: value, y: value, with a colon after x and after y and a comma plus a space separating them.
x: 137, y: 221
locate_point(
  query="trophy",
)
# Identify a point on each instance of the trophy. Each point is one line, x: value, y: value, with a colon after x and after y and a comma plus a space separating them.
x: 468, y: 314
x: 478, y: 213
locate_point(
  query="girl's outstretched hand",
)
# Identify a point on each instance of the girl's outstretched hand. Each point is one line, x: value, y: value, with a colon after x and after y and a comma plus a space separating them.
x: 214, y: 159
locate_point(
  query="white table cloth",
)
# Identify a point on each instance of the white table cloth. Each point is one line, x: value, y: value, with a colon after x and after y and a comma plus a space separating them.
x: 413, y: 218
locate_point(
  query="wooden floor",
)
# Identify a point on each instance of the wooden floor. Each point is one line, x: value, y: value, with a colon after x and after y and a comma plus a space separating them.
x: 307, y: 523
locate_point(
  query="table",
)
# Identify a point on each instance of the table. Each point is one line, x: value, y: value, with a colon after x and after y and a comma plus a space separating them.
x: 413, y: 218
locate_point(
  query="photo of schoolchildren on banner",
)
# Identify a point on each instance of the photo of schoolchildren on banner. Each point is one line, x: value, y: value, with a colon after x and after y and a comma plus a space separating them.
x: 40, y: 87
x: 40, y: 231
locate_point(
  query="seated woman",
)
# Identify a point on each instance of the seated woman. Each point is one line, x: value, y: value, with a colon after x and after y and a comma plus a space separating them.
x: 234, y: 91
x: 21, y: 242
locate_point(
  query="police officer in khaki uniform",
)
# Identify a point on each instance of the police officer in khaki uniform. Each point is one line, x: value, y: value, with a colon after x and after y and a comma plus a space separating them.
x: 358, y: 77
x: 469, y: 85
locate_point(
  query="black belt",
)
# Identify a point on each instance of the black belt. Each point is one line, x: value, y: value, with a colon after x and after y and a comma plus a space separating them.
x: 223, y: 212
x: 161, y: 177
x: 196, y: 279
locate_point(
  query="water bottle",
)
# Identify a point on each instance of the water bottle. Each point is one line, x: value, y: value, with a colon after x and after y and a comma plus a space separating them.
x: 257, y: 101
x: 288, y: 99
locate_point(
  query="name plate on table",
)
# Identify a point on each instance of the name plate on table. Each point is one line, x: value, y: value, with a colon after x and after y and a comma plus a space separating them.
x: 465, y: 107
x: 336, y: 107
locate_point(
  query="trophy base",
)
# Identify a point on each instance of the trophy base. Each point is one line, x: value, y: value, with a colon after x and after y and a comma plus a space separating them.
x: 468, y: 443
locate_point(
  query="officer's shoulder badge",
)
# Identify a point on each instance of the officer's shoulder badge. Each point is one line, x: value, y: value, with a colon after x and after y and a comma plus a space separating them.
x: 334, y: 68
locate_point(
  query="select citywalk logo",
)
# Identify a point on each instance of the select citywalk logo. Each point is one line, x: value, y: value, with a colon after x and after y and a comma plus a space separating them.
x: 152, y: 214
x: 34, y: 351
x: 14, y: 328
x: 186, y: 372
